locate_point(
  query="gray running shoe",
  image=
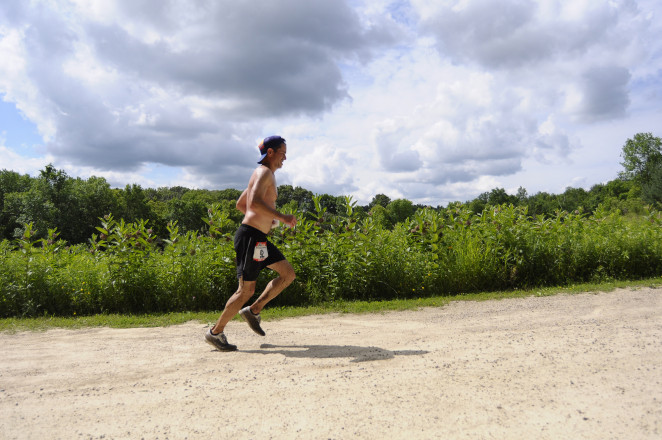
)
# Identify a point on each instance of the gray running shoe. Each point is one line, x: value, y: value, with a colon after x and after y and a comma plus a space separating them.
x: 219, y: 341
x: 252, y: 320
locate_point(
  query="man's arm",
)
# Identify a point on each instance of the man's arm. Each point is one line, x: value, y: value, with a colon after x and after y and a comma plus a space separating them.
x: 241, y: 202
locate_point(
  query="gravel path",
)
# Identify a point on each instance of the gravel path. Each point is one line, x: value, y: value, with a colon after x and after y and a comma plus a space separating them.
x: 569, y: 366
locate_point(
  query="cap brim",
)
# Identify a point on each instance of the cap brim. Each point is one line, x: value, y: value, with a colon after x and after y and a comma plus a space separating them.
x: 262, y: 158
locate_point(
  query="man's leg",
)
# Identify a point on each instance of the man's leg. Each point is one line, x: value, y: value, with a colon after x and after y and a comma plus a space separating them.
x: 244, y: 292
x: 285, y: 277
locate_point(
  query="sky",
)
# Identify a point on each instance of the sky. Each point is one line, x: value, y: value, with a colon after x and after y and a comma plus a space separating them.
x: 429, y: 100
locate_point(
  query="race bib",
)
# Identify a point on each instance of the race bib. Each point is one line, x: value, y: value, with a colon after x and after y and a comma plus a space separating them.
x: 260, y: 253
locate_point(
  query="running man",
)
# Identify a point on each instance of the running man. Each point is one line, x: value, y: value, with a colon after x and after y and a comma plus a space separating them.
x: 254, y: 251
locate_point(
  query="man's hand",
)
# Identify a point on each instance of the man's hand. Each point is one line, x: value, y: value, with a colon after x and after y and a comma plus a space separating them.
x: 289, y: 220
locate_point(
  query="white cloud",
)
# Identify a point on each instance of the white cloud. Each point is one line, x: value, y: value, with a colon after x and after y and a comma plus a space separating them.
x: 13, y: 161
x: 13, y: 85
x: 183, y: 84
x: 428, y: 100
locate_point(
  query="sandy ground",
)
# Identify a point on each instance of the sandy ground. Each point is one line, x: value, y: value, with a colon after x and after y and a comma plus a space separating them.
x: 583, y: 366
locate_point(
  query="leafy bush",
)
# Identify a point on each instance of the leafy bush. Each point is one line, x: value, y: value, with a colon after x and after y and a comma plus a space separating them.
x: 126, y: 268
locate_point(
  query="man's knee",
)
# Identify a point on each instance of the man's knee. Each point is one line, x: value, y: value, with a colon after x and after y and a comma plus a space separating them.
x: 291, y: 276
x: 288, y: 275
x: 285, y: 272
x: 246, y: 288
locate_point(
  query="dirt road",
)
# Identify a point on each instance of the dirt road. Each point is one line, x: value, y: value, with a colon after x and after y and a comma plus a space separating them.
x: 570, y: 366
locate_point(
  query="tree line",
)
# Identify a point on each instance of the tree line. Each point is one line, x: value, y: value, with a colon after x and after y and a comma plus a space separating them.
x: 74, y: 206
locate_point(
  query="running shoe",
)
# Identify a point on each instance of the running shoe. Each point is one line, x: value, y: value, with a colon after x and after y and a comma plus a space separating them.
x: 252, y: 320
x: 219, y: 341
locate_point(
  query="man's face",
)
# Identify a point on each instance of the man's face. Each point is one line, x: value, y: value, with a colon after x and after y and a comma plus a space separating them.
x: 280, y: 156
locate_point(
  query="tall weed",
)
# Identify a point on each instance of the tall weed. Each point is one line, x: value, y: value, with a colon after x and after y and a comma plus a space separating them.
x: 125, y: 268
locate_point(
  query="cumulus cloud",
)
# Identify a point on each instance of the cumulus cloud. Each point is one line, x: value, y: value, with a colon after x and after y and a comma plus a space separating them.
x: 12, y: 161
x: 190, y: 84
x: 605, y: 93
x: 523, y: 73
x: 577, y: 50
x: 392, y: 148
x: 472, y: 127
x: 514, y: 33
x: 431, y: 100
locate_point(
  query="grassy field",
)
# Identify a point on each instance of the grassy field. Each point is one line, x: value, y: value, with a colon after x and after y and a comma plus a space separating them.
x: 11, y: 325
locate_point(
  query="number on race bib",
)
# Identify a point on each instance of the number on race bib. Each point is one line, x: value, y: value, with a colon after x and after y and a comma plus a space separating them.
x: 260, y: 253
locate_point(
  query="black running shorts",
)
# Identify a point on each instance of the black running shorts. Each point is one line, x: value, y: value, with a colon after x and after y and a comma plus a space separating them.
x: 254, y: 252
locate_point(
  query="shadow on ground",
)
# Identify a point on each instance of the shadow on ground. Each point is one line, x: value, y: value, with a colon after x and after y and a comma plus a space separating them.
x: 358, y: 354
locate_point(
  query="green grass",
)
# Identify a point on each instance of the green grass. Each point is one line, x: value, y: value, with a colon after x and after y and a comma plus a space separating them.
x: 12, y: 325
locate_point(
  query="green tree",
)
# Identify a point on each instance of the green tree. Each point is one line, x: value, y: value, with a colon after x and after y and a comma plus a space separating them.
x: 10, y: 183
x: 614, y: 191
x: 87, y: 201
x: 496, y: 197
x: 165, y: 194
x: 400, y: 210
x: 652, y: 190
x: 499, y: 196
x: 642, y: 156
x: 542, y: 203
x: 381, y: 200
x: 522, y: 196
x: 133, y: 204
x: 230, y: 194
x: 46, y: 204
x: 202, y: 196
x: 478, y: 204
x: 573, y: 199
x: 331, y: 203
x: 29, y: 207
x: 188, y: 214
x: 380, y: 217
x: 302, y: 197
x: 55, y: 200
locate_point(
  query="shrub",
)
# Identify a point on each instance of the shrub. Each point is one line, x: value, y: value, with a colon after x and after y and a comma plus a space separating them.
x: 125, y: 268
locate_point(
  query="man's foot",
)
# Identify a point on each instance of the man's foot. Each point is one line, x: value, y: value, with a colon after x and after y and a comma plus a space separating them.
x: 252, y: 320
x: 219, y: 341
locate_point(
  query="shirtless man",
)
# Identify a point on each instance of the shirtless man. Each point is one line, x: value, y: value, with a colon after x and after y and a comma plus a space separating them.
x: 254, y: 251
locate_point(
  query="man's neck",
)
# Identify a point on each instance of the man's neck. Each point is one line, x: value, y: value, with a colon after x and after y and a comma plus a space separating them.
x: 269, y: 167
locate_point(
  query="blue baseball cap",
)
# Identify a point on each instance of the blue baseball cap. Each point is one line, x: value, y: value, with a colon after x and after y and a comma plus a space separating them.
x: 269, y: 142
